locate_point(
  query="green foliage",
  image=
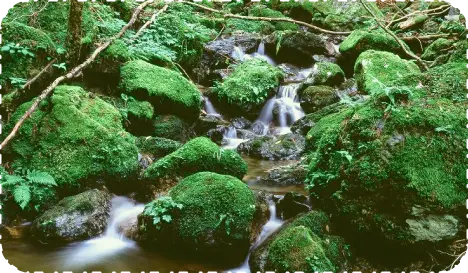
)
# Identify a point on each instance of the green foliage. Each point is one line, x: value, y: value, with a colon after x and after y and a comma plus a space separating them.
x: 252, y: 26
x: 251, y: 83
x: 31, y: 190
x: 361, y: 40
x: 161, y: 210
x: 447, y: 81
x: 166, y: 90
x: 172, y: 127
x: 262, y: 11
x: 16, y: 49
x: 156, y: 146
x: 435, y: 49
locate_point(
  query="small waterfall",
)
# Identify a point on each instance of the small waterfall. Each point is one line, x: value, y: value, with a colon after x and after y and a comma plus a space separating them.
x: 111, y: 242
x: 238, y: 54
x: 288, y: 111
x: 262, y: 55
x: 269, y: 228
x: 230, y: 138
x: 209, y: 108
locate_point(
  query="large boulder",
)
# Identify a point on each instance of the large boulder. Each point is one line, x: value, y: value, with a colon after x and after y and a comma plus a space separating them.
x: 283, y: 147
x: 217, y: 55
x: 198, y: 155
x: 172, y: 127
x: 434, y: 49
x: 248, y: 87
x: 167, y: 90
x: 302, y: 244
x: 376, y: 70
x: 74, y: 218
x: 324, y: 73
x: 289, y: 175
x: 157, y: 147
x: 209, y: 215
x: 364, y: 157
x: 75, y: 137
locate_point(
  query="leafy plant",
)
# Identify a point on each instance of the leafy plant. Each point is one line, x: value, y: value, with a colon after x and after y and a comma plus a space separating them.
x: 161, y: 210
x: 17, y: 49
x: 61, y: 66
x: 29, y: 187
x: 17, y: 82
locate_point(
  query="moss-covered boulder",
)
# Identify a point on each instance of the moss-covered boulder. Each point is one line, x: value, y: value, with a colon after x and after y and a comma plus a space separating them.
x: 389, y: 147
x: 413, y: 22
x: 167, y: 90
x: 447, y: 81
x: 78, y: 217
x: 75, y: 137
x: 315, y: 98
x: 157, y: 147
x: 376, y: 70
x: 283, y: 147
x: 198, y: 155
x: 172, y: 127
x: 248, y: 87
x: 437, y: 48
x: 324, y: 74
x: 259, y: 10
x: 302, y: 244
x: 207, y: 214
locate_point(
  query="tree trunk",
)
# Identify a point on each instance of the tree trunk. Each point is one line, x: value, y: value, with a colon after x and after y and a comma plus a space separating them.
x: 75, y: 32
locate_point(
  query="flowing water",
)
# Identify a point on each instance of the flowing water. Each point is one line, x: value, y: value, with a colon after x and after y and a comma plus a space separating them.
x: 230, y: 138
x: 209, y: 108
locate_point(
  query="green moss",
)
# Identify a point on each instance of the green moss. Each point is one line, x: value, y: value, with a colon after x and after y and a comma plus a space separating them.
x: 172, y: 127
x: 447, y: 81
x: 249, y: 86
x: 296, y: 248
x: 25, y: 35
x: 53, y: 19
x: 325, y: 73
x: 74, y: 137
x: 375, y: 70
x: 314, y: 98
x: 436, y: 48
x: 167, y: 90
x: 140, y: 109
x: 262, y: 11
x: 361, y: 40
x: 212, y: 201
x: 197, y: 155
x: 235, y: 24
x: 156, y: 146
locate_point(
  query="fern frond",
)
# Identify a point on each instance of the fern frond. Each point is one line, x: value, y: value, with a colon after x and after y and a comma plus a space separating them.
x: 22, y: 195
x: 42, y: 178
x: 11, y: 180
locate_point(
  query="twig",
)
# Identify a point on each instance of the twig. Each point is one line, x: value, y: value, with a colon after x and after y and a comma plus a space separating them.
x: 452, y: 265
x: 447, y: 7
x: 268, y: 19
x: 31, y: 81
x: 180, y: 67
x: 420, y: 62
x: 220, y: 32
x: 149, y: 22
x: 427, y: 37
x: 75, y: 71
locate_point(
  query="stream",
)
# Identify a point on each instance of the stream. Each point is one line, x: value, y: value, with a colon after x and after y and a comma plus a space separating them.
x: 112, y: 251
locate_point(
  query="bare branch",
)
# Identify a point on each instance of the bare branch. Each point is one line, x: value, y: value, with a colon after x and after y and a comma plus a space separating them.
x: 31, y: 81
x: 149, y: 22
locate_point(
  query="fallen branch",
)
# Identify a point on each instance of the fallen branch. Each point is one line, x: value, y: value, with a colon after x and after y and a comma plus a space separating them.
x: 409, y: 53
x: 153, y: 18
x: 268, y: 19
x: 444, y: 8
x: 75, y: 71
x: 427, y: 37
x: 31, y: 81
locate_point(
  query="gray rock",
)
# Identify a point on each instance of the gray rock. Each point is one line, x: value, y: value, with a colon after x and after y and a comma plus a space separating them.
x: 433, y: 228
x: 283, y: 147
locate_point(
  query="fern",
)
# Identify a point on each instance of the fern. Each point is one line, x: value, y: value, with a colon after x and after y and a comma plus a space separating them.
x: 11, y: 180
x: 22, y: 195
x: 42, y: 178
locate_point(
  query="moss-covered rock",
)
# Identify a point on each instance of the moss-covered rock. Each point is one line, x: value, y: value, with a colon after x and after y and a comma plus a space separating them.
x: 302, y: 244
x: 409, y: 148
x: 447, y: 81
x: 75, y: 137
x: 248, y: 87
x: 283, y: 147
x: 315, y: 98
x: 262, y: 11
x: 211, y: 215
x: 167, y: 90
x: 362, y: 40
x: 157, y: 147
x: 376, y: 70
x: 140, y: 110
x: 172, y: 127
x: 78, y: 217
x: 324, y: 74
x: 437, y: 48
x: 413, y: 22
x: 198, y: 155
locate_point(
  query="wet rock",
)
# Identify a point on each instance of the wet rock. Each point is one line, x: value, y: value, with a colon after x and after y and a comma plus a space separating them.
x: 293, y: 73
x: 293, y: 174
x: 245, y: 134
x: 217, y: 55
x: 324, y: 74
x: 241, y: 123
x: 302, y: 244
x: 283, y: 147
x: 206, y: 123
x: 303, y: 125
x: 314, y: 98
x: 298, y: 47
x: 172, y: 127
x: 292, y: 204
x: 78, y: 217
x: 433, y: 228
x: 217, y: 134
